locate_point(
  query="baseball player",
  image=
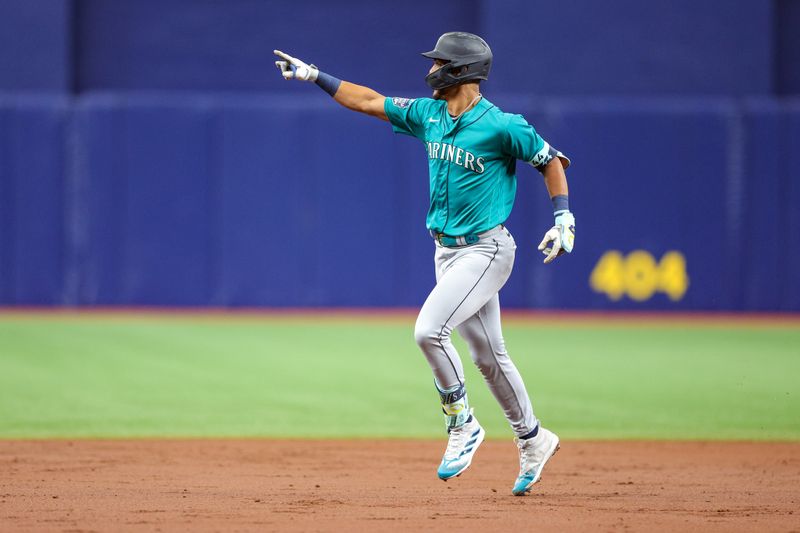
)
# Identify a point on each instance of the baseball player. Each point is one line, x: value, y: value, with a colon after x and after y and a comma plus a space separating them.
x: 472, y: 148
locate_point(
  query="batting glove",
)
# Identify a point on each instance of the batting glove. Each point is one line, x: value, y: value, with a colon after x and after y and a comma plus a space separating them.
x: 293, y: 68
x: 560, y: 238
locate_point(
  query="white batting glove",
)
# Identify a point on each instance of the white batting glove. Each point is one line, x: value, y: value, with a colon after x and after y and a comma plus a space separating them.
x: 293, y: 68
x: 560, y: 238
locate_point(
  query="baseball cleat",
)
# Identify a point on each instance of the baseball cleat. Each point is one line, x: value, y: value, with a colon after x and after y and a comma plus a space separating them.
x: 533, y: 455
x: 461, y: 446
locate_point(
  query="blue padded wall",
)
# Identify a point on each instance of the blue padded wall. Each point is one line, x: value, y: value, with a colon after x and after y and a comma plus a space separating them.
x: 299, y: 207
x: 638, y: 174
x: 150, y: 202
x: 769, y: 217
x: 32, y: 200
x: 277, y: 211
x: 294, y: 201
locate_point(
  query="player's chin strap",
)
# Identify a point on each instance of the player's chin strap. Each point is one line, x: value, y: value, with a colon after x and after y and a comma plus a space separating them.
x: 469, y: 106
x: 454, y: 405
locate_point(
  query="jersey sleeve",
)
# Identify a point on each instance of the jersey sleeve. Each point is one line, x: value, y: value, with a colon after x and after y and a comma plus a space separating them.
x: 522, y: 142
x: 407, y: 115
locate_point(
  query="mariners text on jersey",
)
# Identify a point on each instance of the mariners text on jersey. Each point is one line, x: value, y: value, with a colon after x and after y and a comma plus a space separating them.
x: 457, y: 155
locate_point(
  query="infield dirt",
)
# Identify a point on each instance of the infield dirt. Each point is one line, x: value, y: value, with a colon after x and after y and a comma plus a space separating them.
x: 368, y: 485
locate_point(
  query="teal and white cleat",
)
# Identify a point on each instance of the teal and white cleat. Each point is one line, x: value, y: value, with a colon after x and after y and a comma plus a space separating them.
x: 533, y: 455
x: 464, y: 441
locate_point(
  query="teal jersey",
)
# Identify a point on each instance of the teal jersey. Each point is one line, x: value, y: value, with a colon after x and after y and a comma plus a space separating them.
x: 471, y: 160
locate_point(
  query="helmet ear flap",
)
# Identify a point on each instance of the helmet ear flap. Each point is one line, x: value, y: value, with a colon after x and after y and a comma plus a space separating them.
x: 448, y: 75
x: 442, y: 77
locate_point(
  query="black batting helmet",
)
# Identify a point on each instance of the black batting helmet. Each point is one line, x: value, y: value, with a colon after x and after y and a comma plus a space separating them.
x: 460, y: 49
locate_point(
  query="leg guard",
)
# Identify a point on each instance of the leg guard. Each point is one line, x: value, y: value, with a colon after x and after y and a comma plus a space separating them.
x: 454, y: 405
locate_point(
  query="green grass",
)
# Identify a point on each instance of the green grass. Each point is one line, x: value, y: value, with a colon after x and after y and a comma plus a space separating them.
x: 305, y: 377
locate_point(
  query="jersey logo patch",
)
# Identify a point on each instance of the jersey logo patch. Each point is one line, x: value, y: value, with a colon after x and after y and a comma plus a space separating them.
x: 402, y: 102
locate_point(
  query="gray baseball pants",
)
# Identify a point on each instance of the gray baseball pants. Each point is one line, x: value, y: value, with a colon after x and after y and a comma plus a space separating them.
x: 465, y: 298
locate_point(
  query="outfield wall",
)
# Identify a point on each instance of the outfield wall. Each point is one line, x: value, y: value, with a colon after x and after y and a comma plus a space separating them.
x: 150, y: 154
x: 289, y: 200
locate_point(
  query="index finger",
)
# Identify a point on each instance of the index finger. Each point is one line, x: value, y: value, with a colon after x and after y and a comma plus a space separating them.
x: 287, y: 57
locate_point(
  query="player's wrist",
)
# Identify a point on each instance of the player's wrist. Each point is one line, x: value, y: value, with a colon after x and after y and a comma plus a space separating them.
x: 560, y: 204
x: 327, y: 83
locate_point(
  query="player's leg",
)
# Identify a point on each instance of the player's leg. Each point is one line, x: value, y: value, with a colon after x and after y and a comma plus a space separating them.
x: 483, y: 334
x: 467, y: 279
x: 536, y: 444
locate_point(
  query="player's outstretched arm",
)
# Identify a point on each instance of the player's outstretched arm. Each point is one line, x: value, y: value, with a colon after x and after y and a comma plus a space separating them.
x: 361, y: 99
x: 352, y: 96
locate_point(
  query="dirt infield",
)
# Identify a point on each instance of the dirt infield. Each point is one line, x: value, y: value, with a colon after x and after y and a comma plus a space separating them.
x: 274, y: 485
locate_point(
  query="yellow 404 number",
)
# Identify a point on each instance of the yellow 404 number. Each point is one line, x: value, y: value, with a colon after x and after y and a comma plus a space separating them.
x: 639, y: 276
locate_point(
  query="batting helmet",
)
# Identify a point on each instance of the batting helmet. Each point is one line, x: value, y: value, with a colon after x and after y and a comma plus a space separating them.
x: 459, y: 49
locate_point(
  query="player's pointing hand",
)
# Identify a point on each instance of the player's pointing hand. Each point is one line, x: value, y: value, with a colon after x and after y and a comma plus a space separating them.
x: 293, y: 68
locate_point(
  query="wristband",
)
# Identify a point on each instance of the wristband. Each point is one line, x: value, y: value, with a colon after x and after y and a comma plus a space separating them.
x: 328, y: 83
x: 560, y: 204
